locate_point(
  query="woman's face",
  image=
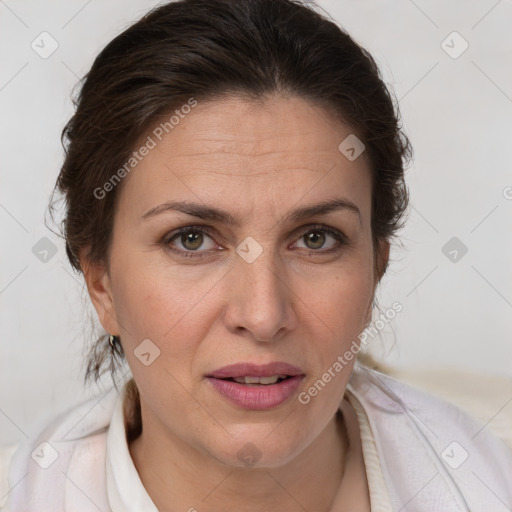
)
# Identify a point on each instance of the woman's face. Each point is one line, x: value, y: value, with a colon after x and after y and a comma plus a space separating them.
x: 267, y: 287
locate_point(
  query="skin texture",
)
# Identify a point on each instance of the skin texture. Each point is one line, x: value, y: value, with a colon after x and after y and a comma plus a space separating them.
x: 295, y: 303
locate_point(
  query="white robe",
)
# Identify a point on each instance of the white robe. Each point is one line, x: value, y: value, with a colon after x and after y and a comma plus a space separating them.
x: 422, y: 454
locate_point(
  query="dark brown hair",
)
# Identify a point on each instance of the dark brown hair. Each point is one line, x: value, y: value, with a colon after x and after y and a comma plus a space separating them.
x: 204, y: 49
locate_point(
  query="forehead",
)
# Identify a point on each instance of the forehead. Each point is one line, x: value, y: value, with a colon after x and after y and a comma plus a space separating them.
x: 240, y: 152
x: 279, y: 125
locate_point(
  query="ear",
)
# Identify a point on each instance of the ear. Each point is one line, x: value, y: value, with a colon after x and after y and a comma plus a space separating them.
x: 381, y: 263
x: 99, y: 287
x: 382, y: 259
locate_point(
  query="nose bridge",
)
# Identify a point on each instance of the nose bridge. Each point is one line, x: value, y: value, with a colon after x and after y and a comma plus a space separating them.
x: 261, y: 298
x: 260, y: 269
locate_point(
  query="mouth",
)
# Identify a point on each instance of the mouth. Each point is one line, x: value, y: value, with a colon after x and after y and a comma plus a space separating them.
x: 250, y: 370
x: 257, y: 387
x: 258, y: 381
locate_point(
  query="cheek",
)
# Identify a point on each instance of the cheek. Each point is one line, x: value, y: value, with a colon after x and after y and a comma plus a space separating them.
x: 166, y: 305
x: 150, y: 296
x: 342, y: 306
x: 152, y: 309
x: 343, y: 296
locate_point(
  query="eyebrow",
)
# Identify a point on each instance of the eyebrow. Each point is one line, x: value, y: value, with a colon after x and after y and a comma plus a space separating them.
x: 211, y: 213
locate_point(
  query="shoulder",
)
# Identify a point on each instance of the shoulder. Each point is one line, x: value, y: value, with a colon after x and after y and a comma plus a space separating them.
x: 487, y: 398
x: 426, y: 442
x: 472, y: 403
x: 42, y: 469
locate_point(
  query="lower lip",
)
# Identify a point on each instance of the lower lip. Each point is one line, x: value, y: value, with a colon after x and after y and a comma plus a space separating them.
x: 257, y: 397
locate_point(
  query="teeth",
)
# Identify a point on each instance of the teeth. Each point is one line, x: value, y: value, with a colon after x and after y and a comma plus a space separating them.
x: 259, y: 380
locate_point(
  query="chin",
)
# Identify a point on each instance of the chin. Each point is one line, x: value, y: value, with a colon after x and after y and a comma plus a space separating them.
x: 255, y: 449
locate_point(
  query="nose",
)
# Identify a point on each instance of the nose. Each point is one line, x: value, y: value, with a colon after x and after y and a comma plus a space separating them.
x: 261, y: 301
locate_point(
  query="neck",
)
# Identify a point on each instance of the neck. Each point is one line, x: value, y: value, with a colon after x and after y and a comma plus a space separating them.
x: 179, y: 477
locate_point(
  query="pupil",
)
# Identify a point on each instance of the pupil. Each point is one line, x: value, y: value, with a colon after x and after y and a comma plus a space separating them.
x: 314, y: 236
x: 195, y: 239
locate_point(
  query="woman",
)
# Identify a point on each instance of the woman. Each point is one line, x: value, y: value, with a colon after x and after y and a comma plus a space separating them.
x: 234, y: 175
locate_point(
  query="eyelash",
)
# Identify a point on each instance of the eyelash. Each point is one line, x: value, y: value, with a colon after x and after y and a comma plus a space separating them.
x: 340, y: 238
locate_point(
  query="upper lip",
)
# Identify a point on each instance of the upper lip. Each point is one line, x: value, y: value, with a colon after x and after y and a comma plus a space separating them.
x: 255, y: 370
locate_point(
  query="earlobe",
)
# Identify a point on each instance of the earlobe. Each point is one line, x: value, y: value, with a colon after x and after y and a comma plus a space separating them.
x: 99, y: 287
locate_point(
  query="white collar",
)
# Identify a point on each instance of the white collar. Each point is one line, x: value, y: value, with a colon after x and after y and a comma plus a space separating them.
x: 121, y: 471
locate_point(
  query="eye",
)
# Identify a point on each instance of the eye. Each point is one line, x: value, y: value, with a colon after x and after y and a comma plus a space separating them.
x: 191, y: 239
x: 188, y: 241
x: 315, y: 238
